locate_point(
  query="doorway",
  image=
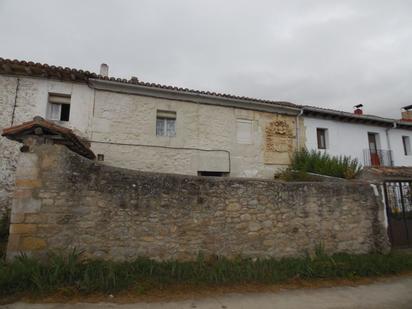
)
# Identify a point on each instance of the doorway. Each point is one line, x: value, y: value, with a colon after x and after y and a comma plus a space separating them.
x: 374, y: 149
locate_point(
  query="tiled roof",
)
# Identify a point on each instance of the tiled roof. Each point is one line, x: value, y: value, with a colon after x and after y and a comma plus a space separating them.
x: 28, y: 68
x: 59, y: 134
x: 313, y: 110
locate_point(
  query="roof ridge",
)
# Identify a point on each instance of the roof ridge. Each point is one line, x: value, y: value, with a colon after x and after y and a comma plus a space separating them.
x: 50, y: 71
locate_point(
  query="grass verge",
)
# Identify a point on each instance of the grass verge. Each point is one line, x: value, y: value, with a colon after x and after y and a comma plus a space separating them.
x: 71, y: 274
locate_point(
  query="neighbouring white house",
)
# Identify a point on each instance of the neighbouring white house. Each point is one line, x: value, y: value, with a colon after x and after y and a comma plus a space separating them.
x: 152, y: 127
x: 373, y: 140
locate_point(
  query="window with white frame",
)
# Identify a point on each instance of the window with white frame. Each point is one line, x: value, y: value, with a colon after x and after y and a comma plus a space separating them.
x: 406, y: 145
x: 244, y: 131
x: 166, y: 123
x: 58, y: 107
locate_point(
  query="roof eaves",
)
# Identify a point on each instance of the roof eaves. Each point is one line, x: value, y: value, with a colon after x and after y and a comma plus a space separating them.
x: 195, y: 96
x: 310, y: 110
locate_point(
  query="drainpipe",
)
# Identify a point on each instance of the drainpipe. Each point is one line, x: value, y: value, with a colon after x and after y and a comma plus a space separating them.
x: 298, y: 130
x: 15, y: 102
x: 388, y: 140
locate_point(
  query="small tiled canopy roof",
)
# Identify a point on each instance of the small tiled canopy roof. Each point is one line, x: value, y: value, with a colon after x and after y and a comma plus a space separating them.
x: 60, y: 135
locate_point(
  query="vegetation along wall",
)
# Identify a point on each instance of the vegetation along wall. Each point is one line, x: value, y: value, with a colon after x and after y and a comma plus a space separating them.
x: 64, y: 201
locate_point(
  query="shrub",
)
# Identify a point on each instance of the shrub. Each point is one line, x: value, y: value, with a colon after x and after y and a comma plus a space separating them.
x: 291, y: 175
x: 71, y: 273
x: 322, y: 163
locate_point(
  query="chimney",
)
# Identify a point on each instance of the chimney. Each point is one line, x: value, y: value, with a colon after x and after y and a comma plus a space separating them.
x: 134, y: 80
x: 104, y: 70
x: 407, y: 113
x: 358, y: 109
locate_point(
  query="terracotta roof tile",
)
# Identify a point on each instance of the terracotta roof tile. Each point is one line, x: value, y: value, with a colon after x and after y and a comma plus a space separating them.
x: 59, y: 134
x: 17, y: 67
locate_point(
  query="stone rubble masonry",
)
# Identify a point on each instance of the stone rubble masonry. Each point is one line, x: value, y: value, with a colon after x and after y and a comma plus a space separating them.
x: 64, y: 201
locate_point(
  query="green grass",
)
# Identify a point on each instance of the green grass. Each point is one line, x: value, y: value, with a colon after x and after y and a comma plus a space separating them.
x: 70, y: 272
x: 322, y: 163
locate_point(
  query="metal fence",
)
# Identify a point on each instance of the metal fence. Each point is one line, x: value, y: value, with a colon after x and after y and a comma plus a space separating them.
x: 398, y: 198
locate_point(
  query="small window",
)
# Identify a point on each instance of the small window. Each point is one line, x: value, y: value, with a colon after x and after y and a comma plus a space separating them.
x: 322, y: 138
x: 212, y: 174
x: 244, y: 130
x: 58, y: 107
x: 100, y: 157
x: 166, y: 123
x: 406, y: 145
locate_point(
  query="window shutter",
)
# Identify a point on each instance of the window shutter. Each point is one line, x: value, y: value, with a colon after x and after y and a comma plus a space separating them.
x: 244, y: 131
x: 59, y: 98
x: 166, y: 114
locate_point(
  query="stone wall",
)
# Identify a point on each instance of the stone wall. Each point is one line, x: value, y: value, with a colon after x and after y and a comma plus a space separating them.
x: 8, y: 149
x: 22, y: 98
x: 63, y: 201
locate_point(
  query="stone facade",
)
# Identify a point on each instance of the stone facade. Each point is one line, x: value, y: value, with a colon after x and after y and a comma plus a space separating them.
x: 122, y: 127
x: 8, y: 149
x: 63, y: 201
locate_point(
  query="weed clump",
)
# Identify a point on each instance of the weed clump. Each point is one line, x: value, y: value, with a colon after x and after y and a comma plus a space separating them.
x: 324, y: 164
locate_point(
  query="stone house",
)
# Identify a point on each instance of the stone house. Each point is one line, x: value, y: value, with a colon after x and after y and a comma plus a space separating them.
x: 149, y: 127
x: 152, y: 127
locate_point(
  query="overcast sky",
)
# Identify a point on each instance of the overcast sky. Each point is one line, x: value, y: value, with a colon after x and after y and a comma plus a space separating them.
x: 325, y: 53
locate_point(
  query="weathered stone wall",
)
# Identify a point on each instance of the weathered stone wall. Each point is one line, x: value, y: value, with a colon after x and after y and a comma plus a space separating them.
x: 65, y: 201
x: 22, y: 98
x: 8, y: 149
x: 131, y: 120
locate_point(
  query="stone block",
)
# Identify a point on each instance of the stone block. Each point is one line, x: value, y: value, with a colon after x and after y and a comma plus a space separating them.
x: 233, y: 207
x: 47, y: 202
x: 22, y: 228
x: 254, y: 227
x: 35, y: 218
x: 26, y: 205
x: 27, y: 173
x: 13, y: 243
x: 17, y: 218
x: 269, y: 243
x: 22, y: 193
x: 48, y: 161
x: 148, y: 238
x: 28, y: 183
x: 32, y: 243
x: 245, y: 217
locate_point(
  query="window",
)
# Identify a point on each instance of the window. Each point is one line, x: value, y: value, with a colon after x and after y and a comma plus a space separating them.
x: 100, y: 157
x: 58, y: 107
x: 244, y: 129
x: 212, y: 174
x: 166, y: 123
x: 322, y: 135
x: 406, y: 145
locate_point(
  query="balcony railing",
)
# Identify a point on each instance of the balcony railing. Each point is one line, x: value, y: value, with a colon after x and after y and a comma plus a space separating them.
x: 377, y: 157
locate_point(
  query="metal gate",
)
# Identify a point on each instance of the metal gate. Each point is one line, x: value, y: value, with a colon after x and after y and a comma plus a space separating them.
x: 398, y: 198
